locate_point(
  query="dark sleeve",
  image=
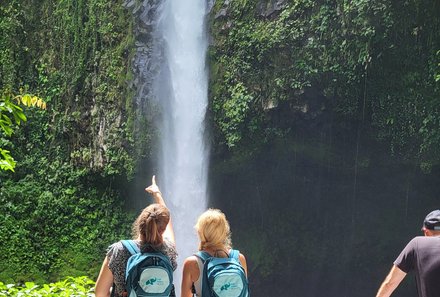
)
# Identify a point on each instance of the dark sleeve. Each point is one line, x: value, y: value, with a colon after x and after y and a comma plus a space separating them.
x: 118, y: 257
x: 171, y: 252
x: 406, y: 261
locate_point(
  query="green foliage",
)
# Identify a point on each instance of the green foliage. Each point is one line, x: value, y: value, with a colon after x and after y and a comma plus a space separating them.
x: 72, y: 286
x: 55, y: 225
x: 8, y: 109
x: 235, y: 110
x: 56, y: 217
x: 76, y: 57
x: 12, y: 115
x: 350, y: 53
x: 62, y: 207
x: 276, y: 59
x: 6, y: 160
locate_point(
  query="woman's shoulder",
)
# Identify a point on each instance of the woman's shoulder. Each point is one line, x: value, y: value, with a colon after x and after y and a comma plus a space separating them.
x: 191, y: 264
x: 191, y: 259
x: 114, y: 247
x: 117, y: 255
x: 169, y: 245
x: 117, y: 249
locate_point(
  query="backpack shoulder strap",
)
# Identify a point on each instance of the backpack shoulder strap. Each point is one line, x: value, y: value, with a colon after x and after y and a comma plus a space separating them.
x: 235, y: 254
x: 203, y: 255
x: 131, y: 246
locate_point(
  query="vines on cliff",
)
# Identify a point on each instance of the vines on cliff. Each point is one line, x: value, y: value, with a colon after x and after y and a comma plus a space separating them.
x: 306, y: 58
x: 61, y: 208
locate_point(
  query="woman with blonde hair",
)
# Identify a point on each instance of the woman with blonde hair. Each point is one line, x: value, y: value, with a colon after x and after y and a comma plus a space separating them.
x: 215, y: 242
x: 152, y: 231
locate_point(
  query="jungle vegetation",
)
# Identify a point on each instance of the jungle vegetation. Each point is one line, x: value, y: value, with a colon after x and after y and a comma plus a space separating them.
x: 324, y: 119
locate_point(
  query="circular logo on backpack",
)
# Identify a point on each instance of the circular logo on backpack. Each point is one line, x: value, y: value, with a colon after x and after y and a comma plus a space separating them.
x: 154, y: 280
x: 228, y: 285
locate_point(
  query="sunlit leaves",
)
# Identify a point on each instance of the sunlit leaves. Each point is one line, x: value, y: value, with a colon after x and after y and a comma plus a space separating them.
x: 29, y: 100
x: 9, y: 111
x: 6, y: 161
x: 12, y: 115
x: 79, y: 286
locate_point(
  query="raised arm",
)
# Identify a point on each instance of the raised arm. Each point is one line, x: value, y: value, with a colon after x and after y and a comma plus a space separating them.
x: 154, y: 190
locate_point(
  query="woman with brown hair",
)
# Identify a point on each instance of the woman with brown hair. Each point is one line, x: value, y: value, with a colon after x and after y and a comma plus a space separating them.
x: 215, y: 241
x: 152, y: 230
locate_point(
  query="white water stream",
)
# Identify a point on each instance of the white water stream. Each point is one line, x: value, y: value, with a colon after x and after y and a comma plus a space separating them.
x: 184, y: 155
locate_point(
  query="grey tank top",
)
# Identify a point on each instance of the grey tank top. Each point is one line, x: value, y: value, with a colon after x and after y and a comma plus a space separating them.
x: 198, y: 282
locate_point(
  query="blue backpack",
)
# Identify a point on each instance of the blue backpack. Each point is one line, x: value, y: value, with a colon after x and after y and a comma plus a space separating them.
x: 223, y: 277
x: 147, y: 273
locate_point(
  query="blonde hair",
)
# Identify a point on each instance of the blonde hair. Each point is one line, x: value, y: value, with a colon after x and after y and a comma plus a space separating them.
x: 213, y: 230
x: 151, y: 223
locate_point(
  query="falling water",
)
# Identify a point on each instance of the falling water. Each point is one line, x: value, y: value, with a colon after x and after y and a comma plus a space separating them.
x: 170, y: 70
x: 184, y: 155
x: 183, y: 162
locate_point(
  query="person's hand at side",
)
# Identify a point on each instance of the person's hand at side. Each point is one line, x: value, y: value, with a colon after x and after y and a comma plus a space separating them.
x: 391, y: 282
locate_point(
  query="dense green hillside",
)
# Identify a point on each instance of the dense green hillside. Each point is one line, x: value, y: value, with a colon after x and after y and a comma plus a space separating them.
x: 62, y: 206
x: 372, y: 65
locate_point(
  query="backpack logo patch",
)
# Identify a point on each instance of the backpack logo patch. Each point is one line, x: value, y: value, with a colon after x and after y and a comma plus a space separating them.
x: 154, y: 280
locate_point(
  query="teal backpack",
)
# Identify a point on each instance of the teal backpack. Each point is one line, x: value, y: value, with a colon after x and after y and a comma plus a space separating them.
x: 223, y: 277
x: 147, y: 274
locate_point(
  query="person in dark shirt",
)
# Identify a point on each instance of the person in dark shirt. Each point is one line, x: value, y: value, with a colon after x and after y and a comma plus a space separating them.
x: 422, y: 256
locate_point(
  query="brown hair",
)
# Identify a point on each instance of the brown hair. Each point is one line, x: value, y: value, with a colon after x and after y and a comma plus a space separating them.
x: 213, y: 230
x: 151, y: 223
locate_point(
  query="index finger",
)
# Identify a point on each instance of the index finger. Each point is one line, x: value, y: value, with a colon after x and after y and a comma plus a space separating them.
x: 153, y: 180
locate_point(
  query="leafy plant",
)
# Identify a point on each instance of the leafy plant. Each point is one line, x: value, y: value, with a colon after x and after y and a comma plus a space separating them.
x: 11, y: 115
x: 305, y: 59
x: 72, y: 286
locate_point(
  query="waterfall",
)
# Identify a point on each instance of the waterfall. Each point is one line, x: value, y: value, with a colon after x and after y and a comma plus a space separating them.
x: 184, y: 154
x: 171, y: 78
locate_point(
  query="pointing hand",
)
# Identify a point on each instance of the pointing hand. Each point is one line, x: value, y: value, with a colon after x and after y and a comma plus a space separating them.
x: 153, y: 189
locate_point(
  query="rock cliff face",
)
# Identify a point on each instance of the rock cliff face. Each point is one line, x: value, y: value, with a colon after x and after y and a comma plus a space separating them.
x: 148, y: 52
x: 268, y: 8
x: 77, y: 58
x: 303, y: 104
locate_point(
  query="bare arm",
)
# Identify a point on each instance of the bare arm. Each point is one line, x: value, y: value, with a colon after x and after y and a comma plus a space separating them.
x: 157, y: 196
x: 393, y: 279
x: 104, y: 281
x: 190, y: 274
